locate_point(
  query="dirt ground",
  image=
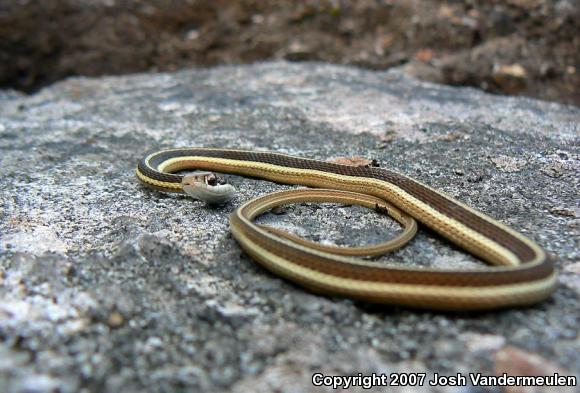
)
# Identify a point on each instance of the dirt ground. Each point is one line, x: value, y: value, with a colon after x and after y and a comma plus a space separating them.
x: 521, y: 47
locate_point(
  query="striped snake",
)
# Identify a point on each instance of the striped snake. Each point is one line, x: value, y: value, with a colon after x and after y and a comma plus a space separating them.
x: 522, y: 273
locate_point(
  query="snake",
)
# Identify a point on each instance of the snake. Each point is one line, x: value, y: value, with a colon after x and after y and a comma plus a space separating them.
x: 516, y: 271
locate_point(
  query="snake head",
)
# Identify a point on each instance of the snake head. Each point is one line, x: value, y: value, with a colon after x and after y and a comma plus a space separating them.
x: 208, y: 187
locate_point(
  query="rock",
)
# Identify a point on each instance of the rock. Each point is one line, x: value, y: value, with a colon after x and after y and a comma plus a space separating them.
x: 482, y: 342
x: 509, y: 164
x: 515, y: 362
x: 511, y: 70
x: 563, y: 211
x: 115, y: 320
x: 110, y: 286
x: 356, y: 161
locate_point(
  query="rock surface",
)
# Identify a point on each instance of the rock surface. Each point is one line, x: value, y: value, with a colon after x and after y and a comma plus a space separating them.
x: 108, y: 286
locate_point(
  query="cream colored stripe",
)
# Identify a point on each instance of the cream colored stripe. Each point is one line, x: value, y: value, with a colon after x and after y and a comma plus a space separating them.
x: 414, y: 206
x: 493, y: 295
x: 540, y: 254
x: 357, y: 261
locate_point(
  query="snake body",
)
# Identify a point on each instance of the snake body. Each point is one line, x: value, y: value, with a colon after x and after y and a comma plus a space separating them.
x: 521, y: 274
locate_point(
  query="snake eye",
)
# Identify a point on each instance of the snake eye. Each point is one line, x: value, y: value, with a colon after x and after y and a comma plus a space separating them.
x: 211, y: 180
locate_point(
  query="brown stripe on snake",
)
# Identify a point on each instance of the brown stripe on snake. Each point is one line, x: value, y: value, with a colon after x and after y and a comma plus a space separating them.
x: 512, y: 284
x: 439, y: 202
x: 386, y: 274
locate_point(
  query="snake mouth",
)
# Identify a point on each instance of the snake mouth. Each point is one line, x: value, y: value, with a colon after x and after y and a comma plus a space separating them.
x: 208, y: 187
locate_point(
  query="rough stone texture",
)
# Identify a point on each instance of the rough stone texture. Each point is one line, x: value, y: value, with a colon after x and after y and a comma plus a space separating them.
x: 108, y: 286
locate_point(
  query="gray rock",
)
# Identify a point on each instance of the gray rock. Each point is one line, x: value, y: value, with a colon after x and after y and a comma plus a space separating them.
x: 108, y: 286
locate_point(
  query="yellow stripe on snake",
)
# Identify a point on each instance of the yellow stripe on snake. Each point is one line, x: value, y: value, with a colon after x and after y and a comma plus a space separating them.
x: 521, y: 273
